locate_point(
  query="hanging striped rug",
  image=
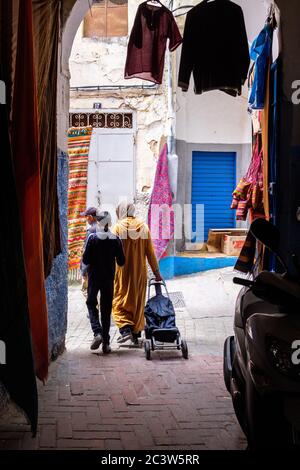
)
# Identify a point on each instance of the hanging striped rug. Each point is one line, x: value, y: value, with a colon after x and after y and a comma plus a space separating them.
x: 78, y: 150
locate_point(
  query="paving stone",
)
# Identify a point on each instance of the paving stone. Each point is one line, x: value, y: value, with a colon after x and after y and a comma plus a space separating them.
x: 64, y: 429
x: 47, y: 436
x: 124, y: 402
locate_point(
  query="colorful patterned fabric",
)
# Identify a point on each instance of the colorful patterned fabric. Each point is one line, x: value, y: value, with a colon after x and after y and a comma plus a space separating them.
x: 78, y: 149
x: 161, y: 215
x: 249, y: 192
x: 46, y: 28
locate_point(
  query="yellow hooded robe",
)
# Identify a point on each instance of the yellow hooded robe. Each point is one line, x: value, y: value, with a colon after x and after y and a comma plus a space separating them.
x: 131, y: 279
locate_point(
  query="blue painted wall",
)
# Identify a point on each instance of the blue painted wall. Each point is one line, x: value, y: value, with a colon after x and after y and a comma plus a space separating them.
x: 57, y: 281
x: 174, y: 266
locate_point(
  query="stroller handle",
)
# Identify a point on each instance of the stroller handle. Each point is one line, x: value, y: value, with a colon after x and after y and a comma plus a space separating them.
x: 153, y: 282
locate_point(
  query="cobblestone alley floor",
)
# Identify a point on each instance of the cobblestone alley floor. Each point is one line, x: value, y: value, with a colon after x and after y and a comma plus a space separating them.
x: 122, y: 401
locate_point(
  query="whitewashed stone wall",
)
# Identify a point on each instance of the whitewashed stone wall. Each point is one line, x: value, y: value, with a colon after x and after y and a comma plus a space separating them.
x: 98, y: 62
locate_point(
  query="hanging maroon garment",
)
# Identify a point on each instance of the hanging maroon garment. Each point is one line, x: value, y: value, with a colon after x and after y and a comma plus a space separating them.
x: 147, y: 43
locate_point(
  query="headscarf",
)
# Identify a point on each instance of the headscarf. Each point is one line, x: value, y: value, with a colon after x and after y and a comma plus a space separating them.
x: 125, y: 209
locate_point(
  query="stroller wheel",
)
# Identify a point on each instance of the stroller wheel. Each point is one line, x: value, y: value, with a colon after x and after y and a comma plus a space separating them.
x: 184, y: 349
x: 147, y: 350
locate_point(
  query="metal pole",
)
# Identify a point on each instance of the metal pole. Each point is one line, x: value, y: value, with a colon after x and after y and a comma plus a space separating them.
x: 171, y: 112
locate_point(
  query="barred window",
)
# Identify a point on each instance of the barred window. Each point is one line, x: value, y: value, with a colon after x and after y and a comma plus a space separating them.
x: 106, y: 19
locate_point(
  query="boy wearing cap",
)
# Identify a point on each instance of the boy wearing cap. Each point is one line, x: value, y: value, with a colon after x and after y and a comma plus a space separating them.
x: 102, y: 251
x: 91, y: 217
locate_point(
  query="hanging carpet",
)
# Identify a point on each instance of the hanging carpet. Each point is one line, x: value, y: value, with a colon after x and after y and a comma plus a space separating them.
x: 78, y: 150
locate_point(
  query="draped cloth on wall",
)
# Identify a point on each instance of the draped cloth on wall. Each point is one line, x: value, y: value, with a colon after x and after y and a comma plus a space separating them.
x: 161, y: 215
x: 46, y: 16
x: 25, y: 148
x: 78, y: 149
x: 18, y: 374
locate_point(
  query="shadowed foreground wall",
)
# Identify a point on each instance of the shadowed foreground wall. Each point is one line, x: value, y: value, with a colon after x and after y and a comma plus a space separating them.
x: 57, y: 282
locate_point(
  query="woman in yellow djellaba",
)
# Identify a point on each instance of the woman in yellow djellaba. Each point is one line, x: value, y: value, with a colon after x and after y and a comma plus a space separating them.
x: 131, y: 279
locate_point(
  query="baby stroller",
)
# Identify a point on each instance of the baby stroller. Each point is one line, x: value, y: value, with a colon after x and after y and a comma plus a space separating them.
x: 161, y: 331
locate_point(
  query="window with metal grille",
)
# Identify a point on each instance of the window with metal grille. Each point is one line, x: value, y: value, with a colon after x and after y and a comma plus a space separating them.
x: 106, y: 19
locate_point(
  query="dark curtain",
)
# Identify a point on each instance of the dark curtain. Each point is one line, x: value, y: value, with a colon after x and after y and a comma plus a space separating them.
x: 18, y: 374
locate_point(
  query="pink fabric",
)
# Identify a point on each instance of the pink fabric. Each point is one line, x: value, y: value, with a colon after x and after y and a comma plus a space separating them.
x: 161, y: 215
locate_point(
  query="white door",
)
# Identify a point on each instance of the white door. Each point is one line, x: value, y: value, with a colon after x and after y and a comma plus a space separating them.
x: 111, y: 169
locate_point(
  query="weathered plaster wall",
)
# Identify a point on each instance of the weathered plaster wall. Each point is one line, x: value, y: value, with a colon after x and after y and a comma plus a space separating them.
x: 150, y: 109
x: 101, y: 62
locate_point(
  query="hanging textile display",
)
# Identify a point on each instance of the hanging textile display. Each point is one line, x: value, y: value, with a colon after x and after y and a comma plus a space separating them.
x: 152, y: 27
x: 248, y: 194
x: 259, y: 93
x: 18, y: 373
x: 215, y: 48
x: 259, y: 108
x: 161, y: 215
x: 46, y: 14
x: 25, y: 149
x: 78, y: 150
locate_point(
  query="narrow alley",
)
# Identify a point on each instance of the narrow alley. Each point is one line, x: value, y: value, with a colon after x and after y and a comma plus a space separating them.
x: 149, y: 139
x: 122, y: 401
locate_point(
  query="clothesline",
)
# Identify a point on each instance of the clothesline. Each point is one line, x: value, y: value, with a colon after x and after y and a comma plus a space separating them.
x: 271, y: 12
x: 183, y: 7
x: 90, y: 3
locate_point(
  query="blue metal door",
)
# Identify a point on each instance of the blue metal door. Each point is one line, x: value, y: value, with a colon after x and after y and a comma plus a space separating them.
x: 213, y: 181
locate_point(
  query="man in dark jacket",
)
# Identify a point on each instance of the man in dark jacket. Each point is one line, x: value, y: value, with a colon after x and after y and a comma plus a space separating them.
x: 102, y: 251
x: 91, y: 217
